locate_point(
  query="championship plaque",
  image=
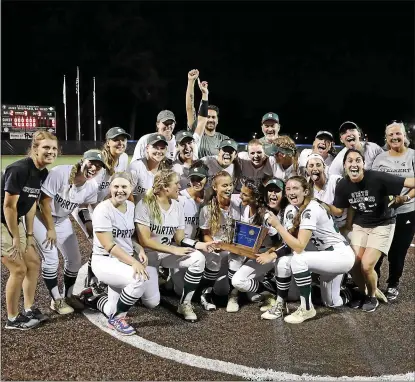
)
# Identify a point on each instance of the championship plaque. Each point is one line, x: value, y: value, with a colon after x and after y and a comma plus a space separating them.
x: 246, y: 239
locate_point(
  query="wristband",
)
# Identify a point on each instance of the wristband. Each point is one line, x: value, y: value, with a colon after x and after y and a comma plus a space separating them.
x: 84, y: 215
x: 203, y: 110
x: 109, y: 251
x: 188, y: 243
x: 29, y: 234
x: 284, y: 250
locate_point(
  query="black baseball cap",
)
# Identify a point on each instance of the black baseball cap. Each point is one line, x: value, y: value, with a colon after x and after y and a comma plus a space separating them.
x: 276, y: 182
x: 155, y: 137
x: 115, y: 131
x: 183, y: 134
x: 325, y: 133
x: 200, y: 171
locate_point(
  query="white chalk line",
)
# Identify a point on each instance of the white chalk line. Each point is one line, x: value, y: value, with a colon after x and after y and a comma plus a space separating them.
x: 249, y: 373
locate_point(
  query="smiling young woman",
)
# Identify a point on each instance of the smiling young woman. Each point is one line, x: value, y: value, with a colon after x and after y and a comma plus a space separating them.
x: 367, y: 192
x: 65, y: 188
x: 22, y: 182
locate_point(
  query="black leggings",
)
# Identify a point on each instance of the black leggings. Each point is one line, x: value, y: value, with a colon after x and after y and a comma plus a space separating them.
x: 404, y: 233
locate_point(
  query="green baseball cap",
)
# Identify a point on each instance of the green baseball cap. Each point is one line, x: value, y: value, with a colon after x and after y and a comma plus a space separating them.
x: 276, y: 182
x: 270, y: 117
x: 270, y: 149
x: 115, y: 131
x: 229, y: 143
x: 165, y: 115
x: 200, y: 171
x: 182, y: 135
x: 155, y: 137
x: 94, y: 155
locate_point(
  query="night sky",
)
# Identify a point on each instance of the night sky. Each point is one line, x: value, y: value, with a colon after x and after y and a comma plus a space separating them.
x: 315, y: 64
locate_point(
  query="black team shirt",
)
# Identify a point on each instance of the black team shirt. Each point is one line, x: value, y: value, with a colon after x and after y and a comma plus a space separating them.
x: 22, y: 178
x: 369, y: 197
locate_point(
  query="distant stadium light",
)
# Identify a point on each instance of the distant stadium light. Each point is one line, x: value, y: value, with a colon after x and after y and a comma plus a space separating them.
x: 99, y: 121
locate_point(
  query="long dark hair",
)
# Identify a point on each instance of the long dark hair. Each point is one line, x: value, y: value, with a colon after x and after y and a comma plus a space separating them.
x: 261, y: 206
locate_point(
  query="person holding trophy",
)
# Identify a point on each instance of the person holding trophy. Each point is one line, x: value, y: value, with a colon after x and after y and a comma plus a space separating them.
x: 255, y: 203
x: 216, y: 223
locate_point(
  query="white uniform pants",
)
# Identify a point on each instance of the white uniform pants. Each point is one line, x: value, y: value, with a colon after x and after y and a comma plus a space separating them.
x: 119, y: 278
x: 194, y: 261
x: 66, y: 242
x: 330, y: 265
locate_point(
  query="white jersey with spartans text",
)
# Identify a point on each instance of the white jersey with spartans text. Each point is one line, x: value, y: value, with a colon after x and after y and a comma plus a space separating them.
x: 326, y: 195
x: 234, y: 212
x: 191, y: 210
x: 140, y: 148
x: 325, y: 232
x: 107, y: 218
x: 142, y: 178
x: 67, y: 197
x: 103, y: 178
x: 171, y: 220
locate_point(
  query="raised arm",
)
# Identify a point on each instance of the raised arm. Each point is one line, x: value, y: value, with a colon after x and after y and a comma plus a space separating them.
x: 203, y: 112
x: 190, y: 97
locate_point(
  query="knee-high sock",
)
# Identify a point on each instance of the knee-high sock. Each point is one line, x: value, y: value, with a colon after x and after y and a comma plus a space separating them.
x: 124, y: 304
x: 191, y: 282
x: 51, y: 280
x: 208, y: 280
x: 303, y: 280
x: 69, y: 279
x: 230, y: 276
x: 283, y: 286
x: 91, y: 274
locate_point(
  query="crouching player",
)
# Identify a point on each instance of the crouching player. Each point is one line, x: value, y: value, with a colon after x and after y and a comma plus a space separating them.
x: 333, y: 257
x: 159, y: 219
x: 113, y: 261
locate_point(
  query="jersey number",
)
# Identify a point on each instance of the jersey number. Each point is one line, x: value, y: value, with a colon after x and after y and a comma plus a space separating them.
x: 165, y: 240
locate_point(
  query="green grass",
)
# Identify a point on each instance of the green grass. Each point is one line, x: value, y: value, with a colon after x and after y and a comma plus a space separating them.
x: 64, y: 159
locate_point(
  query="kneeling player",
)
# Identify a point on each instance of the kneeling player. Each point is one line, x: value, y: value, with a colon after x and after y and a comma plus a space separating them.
x: 159, y: 219
x: 333, y: 256
x: 113, y: 260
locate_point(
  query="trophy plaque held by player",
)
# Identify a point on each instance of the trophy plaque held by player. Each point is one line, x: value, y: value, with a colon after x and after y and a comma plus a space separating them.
x: 244, y: 239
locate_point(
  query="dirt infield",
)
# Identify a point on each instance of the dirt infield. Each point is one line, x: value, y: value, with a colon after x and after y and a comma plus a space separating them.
x: 337, y: 343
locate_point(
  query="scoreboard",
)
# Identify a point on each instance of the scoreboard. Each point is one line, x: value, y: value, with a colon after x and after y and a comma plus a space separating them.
x: 21, y: 121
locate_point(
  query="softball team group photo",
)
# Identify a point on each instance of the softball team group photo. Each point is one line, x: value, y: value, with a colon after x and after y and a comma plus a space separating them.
x: 158, y: 223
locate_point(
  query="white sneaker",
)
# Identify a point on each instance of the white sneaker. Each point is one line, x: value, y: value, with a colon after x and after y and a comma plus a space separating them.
x: 276, y: 311
x: 206, y: 302
x: 60, y: 306
x: 268, y: 303
x: 233, y: 305
x: 186, y: 310
x: 300, y: 315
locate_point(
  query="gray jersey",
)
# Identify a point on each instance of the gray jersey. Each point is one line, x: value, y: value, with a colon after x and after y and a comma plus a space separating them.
x: 371, y: 151
x: 210, y: 145
x: 403, y: 166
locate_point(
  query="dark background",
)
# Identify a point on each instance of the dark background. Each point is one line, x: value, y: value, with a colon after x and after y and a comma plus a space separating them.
x: 315, y: 64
